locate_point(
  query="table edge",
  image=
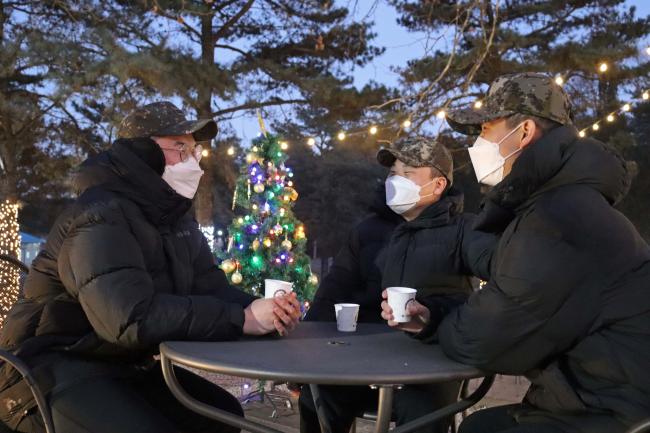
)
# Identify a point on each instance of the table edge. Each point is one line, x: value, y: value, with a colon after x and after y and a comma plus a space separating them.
x: 189, y: 361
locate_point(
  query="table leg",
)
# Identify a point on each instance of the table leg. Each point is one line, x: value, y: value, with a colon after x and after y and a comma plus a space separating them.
x: 204, y: 409
x: 449, y: 410
x: 384, y: 408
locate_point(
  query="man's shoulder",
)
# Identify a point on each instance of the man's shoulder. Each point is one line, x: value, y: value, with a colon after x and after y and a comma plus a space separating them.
x: 573, y: 210
x: 373, y: 228
x: 99, y: 204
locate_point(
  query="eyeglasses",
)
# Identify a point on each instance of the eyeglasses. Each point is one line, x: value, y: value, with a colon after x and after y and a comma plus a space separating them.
x: 186, y: 151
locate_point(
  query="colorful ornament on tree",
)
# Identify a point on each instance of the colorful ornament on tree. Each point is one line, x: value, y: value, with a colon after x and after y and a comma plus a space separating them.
x: 237, y: 278
x: 286, y: 244
x: 255, y: 245
x: 228, y: 266
x: 259, y: 188
x: 313, y: 279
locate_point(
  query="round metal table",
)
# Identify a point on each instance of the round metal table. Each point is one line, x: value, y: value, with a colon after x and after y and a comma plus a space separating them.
x: 316, y: 353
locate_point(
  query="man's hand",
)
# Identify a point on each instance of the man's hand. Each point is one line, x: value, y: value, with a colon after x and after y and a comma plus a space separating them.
x: 420, y: 315
x: 280, y: 314
x: 287, y: 313
x: 259, y: 317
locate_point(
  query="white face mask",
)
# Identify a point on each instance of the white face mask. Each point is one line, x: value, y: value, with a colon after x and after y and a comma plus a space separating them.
x: 184, y: 177
x: 487, y: 160
x: 403, y: 194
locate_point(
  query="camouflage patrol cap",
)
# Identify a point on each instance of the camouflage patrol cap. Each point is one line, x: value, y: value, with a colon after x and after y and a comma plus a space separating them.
x: 419, y: 152
x: 163, y: 119
x: 530, y: 93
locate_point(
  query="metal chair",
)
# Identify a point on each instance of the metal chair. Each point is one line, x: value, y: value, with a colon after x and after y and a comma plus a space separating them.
x: 642, y: 427
x: 23, y: 368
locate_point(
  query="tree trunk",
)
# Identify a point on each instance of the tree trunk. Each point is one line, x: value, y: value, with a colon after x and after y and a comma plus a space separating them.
x: 204, y: 197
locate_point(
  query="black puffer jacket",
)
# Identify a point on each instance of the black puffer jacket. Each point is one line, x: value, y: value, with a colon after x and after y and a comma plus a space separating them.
x: 568, y: 301
x: 436, y: 253
x: 123, y: 269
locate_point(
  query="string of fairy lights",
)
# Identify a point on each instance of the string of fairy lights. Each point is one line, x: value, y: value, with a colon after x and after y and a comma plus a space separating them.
x: 9, y: 245
x: 406, y: 122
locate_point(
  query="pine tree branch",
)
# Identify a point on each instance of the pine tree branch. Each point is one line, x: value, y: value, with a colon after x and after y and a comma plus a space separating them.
x: 251, y: 105
x: 228, y: 24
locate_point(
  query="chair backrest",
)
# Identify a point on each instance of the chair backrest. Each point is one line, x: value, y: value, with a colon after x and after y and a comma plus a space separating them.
x: 19, y: 365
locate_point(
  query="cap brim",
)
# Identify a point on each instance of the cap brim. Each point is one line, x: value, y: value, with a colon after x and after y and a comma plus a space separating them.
x: 201, y: 129
x: 468, y: 120
x: 386, y: 158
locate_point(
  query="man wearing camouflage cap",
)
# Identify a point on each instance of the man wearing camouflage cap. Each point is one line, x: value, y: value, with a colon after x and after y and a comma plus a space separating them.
x: 567, y: 303
x: 123, y: 269
x: 416, y: 236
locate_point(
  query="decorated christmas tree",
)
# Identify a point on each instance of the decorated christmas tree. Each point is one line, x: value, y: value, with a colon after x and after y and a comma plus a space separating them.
x: 265, y: 239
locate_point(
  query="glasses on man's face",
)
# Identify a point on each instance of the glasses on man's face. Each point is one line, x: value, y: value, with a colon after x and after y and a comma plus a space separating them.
x: 186, y: 150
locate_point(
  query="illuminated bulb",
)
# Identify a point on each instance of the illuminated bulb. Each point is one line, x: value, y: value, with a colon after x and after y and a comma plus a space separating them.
x: 406, y: 123
x: 626, y: 107
x: 255, y: 149
x: 341, y: 136
x: 311, y: 141
x: 284, y: 145
x: 595, y: 127
x: 441, y: 114
x: 478, y: 104
x: 645, y: 96
x: 205, y: 153
x: 559, y: 80
x: 231, y: 151
x: 603, y: 67
x: 373, y: 130
x: 610, y: 118
x: 582, y: 133
x: 647, y: 50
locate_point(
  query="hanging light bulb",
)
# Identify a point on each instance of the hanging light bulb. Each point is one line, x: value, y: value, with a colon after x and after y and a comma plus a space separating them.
x: 231, y: 151
x: 595, y: 127
x: 559, y: 80
x: 582, y: 133
x: 406, y: 123
x: 373, y: 130
x: 341, y: 136
x: 626, y: 107
x: 205, y: 153
x: 441, y: 114
x: 478, y: 104
x: 610, y: 118
x: 646, y: 95
x: 311, y: 141
x: 603, y: 67
x: 647, y: 50
x: 284, y: 145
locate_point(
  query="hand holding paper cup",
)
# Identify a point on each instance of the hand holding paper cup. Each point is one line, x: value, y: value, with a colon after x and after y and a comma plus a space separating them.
x: 346, y: 317
x: 273, y: 288
x: 398, y: 299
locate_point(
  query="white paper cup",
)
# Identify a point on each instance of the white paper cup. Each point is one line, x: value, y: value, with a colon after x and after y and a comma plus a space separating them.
x: 346, y: 317
x: 273, y: 288
x: 398, y: 299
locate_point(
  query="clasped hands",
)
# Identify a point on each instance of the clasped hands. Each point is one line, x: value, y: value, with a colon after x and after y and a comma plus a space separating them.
x: 264, y: 316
